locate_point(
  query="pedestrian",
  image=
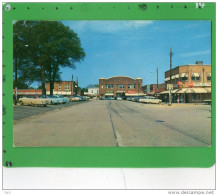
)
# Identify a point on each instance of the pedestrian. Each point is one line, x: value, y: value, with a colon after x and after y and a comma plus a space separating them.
x: 178, y: 100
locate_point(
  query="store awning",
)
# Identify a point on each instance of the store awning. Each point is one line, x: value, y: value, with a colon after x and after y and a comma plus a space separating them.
x: 195, y: 74
x: 181, y: 90
x: 208, y: 74
x: 208, y: 90
x: 164, y: 92
x: 184, y: 75
x: 174, y: 91
x: 200, y: 90
x: 109, y: 94
x: 175, y: 76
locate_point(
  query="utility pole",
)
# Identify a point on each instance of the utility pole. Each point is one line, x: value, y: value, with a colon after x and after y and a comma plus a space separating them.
x: 170, y: 95
x: 157, y: 81
x: 72, y: 86
x: 77, y: 85
x: 203, y: 75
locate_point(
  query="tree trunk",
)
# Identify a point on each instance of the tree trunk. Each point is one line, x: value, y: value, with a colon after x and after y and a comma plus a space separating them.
x: 43, y: 81
x: 51, y: 87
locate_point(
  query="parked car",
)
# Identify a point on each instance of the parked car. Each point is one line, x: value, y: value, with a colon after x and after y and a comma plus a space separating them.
x: 52, y: 99
x: 75, y: 98
x: 136, y: 99
x: 119, y: 98
x: 63, y: 99
x: 129, y: 98
x: 34, y: 100
x: 102, y: 98
x: 110, y: 98
x: 150, y: 100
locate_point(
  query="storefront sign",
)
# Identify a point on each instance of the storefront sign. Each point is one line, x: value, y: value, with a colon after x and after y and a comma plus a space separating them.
x: 130, y: 91
x: 191, y: 85
x: 179, y: 83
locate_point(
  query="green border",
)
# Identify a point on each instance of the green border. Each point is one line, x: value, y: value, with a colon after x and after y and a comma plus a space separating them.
x: 100, y: 157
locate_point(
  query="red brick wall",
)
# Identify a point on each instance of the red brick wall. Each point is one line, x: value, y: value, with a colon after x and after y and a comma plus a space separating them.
x: 120, y: 80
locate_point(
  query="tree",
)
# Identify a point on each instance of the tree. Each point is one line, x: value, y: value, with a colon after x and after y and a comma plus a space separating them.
x: 59, y: 47
x: 51, y: 46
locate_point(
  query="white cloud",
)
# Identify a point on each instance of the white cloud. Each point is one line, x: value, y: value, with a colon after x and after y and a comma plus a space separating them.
x: 108, y: 26
x: 197, y: 53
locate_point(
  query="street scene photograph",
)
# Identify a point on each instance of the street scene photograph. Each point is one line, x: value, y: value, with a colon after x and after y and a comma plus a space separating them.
x: 112, y: 83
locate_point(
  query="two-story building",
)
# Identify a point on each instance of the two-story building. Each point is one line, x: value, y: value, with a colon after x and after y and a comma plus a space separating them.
x: 66, y: 88
x: 191, y: 83
x: 120, y: 86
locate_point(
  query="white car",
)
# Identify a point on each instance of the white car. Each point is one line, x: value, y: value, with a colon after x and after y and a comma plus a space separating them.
x: 34, y: 100
x: 150, y: 100
x: 51, y: 98
x: 62, y: 98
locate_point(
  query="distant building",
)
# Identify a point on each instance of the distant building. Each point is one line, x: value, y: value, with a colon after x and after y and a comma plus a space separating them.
x: 92, y: 92
x: 120, y: 86
x: 191, y: 83
x: 153, y: 89
x: 64, y: 88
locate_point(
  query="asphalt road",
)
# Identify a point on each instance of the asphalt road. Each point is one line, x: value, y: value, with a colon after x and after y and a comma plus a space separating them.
x: 117, y: 124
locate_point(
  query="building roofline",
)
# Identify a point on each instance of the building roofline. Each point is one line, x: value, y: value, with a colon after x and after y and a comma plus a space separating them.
x: 189, y: 65
x: 120, y: 76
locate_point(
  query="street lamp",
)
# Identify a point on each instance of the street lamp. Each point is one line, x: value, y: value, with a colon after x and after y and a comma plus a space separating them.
x: 170, y: 95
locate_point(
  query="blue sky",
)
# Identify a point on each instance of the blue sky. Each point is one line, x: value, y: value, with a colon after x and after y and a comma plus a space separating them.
x: 137, y: 48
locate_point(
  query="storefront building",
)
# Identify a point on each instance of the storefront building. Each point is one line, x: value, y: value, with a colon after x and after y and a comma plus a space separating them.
x: 191, y: 83
x: 63, y: 88
x: 120, y: 86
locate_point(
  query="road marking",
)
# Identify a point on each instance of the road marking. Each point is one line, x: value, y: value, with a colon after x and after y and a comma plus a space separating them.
x: 115, y: 135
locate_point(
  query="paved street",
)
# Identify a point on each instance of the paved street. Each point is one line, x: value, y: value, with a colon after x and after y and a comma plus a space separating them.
x: 26, y: 111
x: 117, y: 124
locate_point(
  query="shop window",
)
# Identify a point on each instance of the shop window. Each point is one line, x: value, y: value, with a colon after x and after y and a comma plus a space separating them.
x: 119, y: 86
x: 102, y: 86
x: 196, y: 97
x: 131, y: 86
x: 184, y: 78
x: 59, y: 86
x: 110, y: 86
x: 195, y: 78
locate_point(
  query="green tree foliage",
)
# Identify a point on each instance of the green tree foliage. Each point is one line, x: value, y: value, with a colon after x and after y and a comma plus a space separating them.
x: 51, y: 45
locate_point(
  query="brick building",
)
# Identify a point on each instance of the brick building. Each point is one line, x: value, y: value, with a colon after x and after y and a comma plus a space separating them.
x: 191, y: 83
x: 120, y: 86
x: 63, y: 88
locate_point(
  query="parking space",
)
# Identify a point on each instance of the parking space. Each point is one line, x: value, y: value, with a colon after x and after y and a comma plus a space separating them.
x: 25, y: 111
